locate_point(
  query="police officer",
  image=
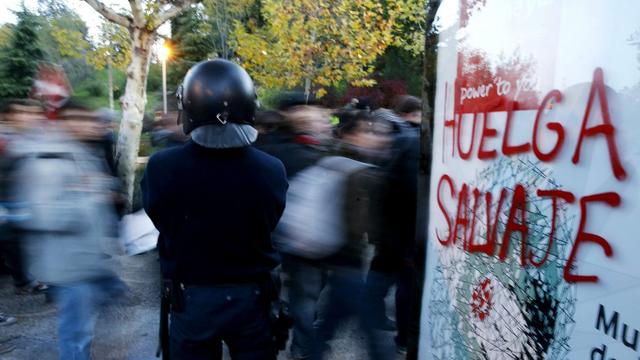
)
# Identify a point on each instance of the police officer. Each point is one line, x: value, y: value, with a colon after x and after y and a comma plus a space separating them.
x: 215, y: 201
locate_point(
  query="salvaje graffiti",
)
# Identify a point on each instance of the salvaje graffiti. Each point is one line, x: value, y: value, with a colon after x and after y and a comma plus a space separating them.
x: 462, y: 226
x: 493, y: 309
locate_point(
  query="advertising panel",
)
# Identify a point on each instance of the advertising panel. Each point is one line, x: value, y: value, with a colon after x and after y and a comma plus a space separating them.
x: 532, y: 247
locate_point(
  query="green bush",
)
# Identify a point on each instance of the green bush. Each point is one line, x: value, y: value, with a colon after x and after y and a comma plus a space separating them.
x: 96, y: 89
x: 145, y: 145
x: 136, y: 201
x: 269, y: 97
x: 154, y: 80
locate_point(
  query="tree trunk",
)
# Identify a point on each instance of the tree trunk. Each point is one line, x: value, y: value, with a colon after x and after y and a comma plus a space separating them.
x: 424, y: 180
x: 133, y: 105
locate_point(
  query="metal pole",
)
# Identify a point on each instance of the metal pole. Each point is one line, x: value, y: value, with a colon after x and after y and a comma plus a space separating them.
x: 164, y: 84
x: 110, y: 74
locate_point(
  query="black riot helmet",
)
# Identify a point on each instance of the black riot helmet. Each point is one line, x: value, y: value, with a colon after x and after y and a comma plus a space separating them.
x: 216, y: 92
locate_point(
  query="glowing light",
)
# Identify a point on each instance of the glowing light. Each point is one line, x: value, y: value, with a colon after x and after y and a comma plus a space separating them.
x: 164, y: 52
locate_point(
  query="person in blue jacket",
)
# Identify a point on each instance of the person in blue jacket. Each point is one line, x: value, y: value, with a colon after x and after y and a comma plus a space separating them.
x: 215, y: 201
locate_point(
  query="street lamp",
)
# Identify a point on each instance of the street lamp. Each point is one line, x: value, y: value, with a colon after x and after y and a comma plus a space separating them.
x: 110, y: 79
x: 164, y: 53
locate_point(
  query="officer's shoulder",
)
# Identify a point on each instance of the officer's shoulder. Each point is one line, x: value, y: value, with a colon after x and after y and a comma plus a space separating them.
x: 165, y: 156
x: 269, y: 161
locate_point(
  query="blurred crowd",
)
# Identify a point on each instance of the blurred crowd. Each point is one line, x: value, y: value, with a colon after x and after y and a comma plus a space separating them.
x: 59, y: 208
x: 346, y: 237
x: 366, y: 159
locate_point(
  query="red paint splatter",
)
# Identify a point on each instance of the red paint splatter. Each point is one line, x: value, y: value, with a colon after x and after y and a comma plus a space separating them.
x: 481, y: 299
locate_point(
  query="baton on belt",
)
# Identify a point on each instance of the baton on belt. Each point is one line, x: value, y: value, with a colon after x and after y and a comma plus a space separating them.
x: 165, y: 306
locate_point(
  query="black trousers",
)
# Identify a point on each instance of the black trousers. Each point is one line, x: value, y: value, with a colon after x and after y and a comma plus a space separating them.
x: 385, y: 271
x: 235, y: 314
x: 12, y: 256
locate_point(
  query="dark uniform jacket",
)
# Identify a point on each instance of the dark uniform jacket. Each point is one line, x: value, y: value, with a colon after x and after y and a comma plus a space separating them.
x: 215, y: 210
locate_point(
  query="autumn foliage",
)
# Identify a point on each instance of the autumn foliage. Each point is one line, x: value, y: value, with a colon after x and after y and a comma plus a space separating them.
x: 318, y: 44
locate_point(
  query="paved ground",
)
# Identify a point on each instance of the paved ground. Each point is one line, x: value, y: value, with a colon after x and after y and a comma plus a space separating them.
x: 123, y: 332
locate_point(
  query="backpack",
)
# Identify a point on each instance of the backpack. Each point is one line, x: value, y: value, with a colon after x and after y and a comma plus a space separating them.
x: 312, y: 225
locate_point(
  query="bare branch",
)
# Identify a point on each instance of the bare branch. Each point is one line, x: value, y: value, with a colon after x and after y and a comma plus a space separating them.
x: 170, y: 13
x: 136, y: 11
x: 109, y: 13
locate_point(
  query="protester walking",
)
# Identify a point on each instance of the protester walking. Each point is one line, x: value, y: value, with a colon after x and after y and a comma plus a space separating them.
x: 66, y: 191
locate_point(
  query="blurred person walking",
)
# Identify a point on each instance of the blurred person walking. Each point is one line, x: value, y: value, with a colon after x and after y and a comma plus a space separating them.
x: 362, y: 141
x: 166, y: 131
x: 215, y: 201
x: 268, y: 122
x: 18, y: 116
x: 66, y: 190
x: 299, y: 141
x: 394, y: 259
x: 302, y: 136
